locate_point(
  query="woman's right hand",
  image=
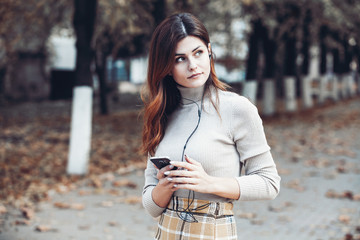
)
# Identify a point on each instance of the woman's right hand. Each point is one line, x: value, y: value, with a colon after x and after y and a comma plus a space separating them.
x: 164, y: 190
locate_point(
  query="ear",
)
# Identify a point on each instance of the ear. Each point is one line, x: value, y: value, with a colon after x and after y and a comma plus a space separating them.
x: 209, y: 48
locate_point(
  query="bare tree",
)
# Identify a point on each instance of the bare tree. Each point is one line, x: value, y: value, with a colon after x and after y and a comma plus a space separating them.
x: 80, y: 137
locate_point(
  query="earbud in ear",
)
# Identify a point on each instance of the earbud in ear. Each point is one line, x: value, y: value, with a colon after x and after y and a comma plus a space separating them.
x: 209, y: 55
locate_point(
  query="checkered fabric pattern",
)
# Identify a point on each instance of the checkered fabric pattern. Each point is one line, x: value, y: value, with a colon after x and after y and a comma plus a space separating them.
x: 208, y: 220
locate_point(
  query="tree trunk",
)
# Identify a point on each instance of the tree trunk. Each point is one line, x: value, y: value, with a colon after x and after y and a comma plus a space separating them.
x: 84, y: 22
x: 101, y: 73
x: 306, y: 43
x: 337, y: 62
x: 81, y: 116
x: 323, y: 50
x: 290, y: 56
x: 2, y: 84
x: 159, y: 11
x: 348, y: 55
x: 269, y: 47
x: 252, y: 61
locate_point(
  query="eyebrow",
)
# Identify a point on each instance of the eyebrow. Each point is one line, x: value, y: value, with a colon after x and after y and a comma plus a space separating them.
x: 177, y: 54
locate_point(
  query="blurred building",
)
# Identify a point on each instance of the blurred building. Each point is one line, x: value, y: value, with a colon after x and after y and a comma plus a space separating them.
x: 62, y: 66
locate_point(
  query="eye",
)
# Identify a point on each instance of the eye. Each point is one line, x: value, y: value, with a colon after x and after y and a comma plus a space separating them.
x: 198, y: 53
x: 179, y: 59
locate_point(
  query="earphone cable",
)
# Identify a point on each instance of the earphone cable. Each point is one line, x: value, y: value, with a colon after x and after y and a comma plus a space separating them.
x: 191, y: 198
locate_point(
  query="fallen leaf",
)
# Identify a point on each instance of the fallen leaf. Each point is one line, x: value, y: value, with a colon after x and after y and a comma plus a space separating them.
x: 43, y: 228
x: 62, y: 205
x: 84, y: 227
x: 348, y: 195
x: 3, y: 209
x: 107, y: 204
x: 331, y: 194
x: 295, y: 184
x: 348, y: 236
x: 77, y: 206
x: 257, y: 222
x: 108, y: 177
x: 22, y: 222
x: 84, y: 193
x: 248, y: 215
x: 96, y: 182
x: 113, y: 224
x: 115, y: 192
x: 280, y: 207
x: 28, y: 213
x: 124, y: 183
x: 62, y: 189
x: 344, y: 219
x: 133, y: 200
x: 344, y: 195
x: 318, y: 163
x: 283, y: 171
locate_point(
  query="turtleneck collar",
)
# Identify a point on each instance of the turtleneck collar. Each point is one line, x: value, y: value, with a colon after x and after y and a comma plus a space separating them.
x: 191, y: 95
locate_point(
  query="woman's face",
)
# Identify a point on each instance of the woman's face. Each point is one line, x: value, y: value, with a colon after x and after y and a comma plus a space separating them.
x: 192, y: 63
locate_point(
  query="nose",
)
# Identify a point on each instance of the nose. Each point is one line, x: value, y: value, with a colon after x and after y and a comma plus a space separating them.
x: 192, y: 64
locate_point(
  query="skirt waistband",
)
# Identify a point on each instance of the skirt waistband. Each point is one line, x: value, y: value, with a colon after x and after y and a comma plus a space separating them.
x: 200, y: 206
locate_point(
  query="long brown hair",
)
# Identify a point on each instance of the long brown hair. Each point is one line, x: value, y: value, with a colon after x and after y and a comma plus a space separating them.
x: 162, y: 96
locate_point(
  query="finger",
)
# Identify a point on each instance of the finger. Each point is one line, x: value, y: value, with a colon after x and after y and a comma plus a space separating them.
x: 185, y: 165
x: 174, y: 187
x: 181, y: 180
x: 167, y: 182
x: 180, y: 173
x: 161, y: 172
x: 186, y: 186
x: 167, y: 168
x: 192, y: 161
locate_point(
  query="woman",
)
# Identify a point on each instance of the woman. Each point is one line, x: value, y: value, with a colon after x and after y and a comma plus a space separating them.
x: 208, y: 133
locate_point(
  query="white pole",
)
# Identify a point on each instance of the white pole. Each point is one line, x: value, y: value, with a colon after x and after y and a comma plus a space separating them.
x: 335, y: 88
x: 80, y: 135
x: 323, y: 92
x: 344, y: 86
x: 306, y: 92
x: 290, y: 94
x: 250, y: 90
x: 351, y: 84
x: 269, y: 97
x: 314, y: 71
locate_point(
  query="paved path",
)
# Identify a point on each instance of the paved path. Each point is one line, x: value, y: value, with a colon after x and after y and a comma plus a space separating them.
x: 318, y: 158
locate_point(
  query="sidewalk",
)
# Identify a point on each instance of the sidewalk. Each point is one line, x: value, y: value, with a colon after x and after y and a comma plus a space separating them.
x: 318, y: 158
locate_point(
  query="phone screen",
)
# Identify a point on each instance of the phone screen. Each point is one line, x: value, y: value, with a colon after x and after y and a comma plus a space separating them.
x: 161, y: 162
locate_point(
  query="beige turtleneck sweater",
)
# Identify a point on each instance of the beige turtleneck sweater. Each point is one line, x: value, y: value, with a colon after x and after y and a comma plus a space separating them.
x: 221, y: 144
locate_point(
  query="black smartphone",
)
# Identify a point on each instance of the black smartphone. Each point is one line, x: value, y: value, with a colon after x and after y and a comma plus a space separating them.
x: 161, y: 162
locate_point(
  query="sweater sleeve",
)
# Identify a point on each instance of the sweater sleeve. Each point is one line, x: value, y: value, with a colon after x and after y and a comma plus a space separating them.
x: 150, y: 182
x: 247, y: 129
x: 261, y: 180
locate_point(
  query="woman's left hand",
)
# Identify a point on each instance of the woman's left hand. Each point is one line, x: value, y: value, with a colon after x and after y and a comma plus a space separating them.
x: 191, y: 176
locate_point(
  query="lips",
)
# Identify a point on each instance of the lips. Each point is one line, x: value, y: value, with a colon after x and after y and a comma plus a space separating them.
x: 194, y: 75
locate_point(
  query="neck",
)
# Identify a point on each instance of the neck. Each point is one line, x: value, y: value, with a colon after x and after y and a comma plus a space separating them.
x: 191, y: 95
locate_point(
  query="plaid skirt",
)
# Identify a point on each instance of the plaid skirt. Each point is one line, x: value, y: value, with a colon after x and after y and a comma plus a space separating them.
x: 185, y: 219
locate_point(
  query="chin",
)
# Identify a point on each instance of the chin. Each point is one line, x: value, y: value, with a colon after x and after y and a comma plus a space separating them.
x: 197, y: 84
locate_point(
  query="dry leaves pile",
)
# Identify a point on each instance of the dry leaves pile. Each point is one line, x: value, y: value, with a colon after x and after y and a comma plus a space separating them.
x: 319, y: 138
x: 34, y: 149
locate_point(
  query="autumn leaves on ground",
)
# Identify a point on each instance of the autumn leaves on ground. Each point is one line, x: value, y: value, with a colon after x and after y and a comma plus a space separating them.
x: 34, y: 148
x: 35, y: 136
